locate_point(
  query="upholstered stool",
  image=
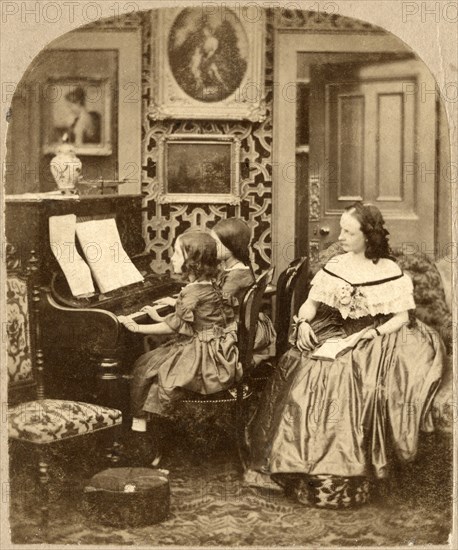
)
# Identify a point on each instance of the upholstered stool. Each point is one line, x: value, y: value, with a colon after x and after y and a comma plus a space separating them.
x: 128, y: 496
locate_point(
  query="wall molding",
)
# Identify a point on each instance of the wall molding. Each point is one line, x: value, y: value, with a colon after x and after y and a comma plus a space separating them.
x: 321, y: 22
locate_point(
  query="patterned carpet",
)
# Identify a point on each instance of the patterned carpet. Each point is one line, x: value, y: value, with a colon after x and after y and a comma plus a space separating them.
x: 211, y: 507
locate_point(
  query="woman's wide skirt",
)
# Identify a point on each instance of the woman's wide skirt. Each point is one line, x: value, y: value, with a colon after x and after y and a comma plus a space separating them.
x: 345, y: 417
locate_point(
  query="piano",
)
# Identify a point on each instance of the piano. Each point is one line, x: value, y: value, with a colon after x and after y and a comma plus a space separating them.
x: 85, y: 350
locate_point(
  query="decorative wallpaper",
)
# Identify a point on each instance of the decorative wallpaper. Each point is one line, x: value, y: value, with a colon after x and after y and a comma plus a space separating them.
x: 321, y: 21
x: 162, y: 223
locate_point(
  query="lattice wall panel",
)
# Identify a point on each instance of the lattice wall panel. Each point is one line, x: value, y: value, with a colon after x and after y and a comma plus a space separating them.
x: 162, y: 223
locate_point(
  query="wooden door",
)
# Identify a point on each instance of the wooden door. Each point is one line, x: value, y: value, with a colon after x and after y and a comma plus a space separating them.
x: 372, y: 138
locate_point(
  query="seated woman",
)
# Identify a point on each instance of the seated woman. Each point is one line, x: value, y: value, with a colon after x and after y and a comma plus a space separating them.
x: 326, y: 428
x: 236, y: 275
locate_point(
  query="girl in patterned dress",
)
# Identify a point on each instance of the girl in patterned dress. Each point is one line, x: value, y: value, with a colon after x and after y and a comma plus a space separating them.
x: 202, y: 357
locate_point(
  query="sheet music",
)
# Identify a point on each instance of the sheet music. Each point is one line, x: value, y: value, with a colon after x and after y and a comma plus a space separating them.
x: 62, y: 242
x: 110, y: 265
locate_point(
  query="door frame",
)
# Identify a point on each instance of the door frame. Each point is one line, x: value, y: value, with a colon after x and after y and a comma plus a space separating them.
x: 288, y: 45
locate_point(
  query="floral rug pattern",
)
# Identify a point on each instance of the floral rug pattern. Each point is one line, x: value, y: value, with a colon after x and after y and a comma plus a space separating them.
x: 210, y: 506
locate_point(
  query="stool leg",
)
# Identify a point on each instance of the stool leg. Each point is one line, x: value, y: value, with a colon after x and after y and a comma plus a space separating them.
x: 114, y: 453
x: 43, y: 477
x: 109, y: 439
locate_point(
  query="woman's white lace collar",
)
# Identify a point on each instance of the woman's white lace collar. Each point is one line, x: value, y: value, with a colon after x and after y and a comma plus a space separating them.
x: 384, y: 296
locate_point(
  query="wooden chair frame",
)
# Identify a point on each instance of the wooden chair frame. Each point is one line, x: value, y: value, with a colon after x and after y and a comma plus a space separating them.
x: 18, y: 406
x: 286, y: 285
x: 248, y: 319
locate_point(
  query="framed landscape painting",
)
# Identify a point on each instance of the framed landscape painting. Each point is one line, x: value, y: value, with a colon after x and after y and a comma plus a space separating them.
x: 199, y: 168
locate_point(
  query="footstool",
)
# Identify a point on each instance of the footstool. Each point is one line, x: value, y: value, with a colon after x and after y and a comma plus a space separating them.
x: 128, y: 496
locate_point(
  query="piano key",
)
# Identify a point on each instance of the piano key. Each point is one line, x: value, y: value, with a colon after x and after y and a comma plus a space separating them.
x: 161, y: 310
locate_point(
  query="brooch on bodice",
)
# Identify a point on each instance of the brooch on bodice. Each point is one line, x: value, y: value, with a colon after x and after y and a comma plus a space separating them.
x: 345, y: 294
x: 350, y: 296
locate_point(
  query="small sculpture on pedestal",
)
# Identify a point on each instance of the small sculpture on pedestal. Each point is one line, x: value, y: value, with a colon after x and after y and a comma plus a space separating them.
x: 66, y: 167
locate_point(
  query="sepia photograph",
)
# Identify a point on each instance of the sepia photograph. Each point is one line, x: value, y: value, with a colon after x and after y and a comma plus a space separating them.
x: 227, y: 283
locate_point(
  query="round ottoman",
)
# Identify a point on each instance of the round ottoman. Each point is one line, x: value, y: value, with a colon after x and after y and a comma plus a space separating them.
x: 128, y: 496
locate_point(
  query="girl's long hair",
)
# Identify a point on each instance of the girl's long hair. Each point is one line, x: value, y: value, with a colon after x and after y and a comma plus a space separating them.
x: 235, y: 234
x: 199, y: 251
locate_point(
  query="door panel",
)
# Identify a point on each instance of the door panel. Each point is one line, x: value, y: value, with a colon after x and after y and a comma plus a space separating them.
x: 377, y: 144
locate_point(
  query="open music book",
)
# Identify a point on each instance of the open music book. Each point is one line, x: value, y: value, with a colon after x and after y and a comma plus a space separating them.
x: 336, y: 346
x: 62, y: 242
x: 109, y: 263
x: 105, y: 256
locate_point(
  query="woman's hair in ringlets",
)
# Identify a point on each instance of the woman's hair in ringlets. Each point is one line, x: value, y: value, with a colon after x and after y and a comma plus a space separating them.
x: 235, y: 234
x: 373, y: 228
x: 199, y: 251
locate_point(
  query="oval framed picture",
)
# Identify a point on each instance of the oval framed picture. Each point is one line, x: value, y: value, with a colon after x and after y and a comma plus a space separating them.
x: 210, y: 64
x: 208, y: 57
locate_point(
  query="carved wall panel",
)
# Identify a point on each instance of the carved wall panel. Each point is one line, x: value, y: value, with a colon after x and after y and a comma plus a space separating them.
x: 162, y: 223
x: 321, y: 21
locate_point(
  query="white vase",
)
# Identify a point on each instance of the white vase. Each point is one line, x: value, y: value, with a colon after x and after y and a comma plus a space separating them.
x: 66, y: 168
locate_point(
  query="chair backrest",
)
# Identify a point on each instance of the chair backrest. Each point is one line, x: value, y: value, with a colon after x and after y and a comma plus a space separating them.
x: 24, y: 355
x: 249, y: 313
x: 285, y: 290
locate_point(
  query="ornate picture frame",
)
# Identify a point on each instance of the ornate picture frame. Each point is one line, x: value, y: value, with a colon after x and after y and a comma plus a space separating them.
x: 199, y: 168
x: 116, y: 55
x: 209, y: 63
x: 81, y: 109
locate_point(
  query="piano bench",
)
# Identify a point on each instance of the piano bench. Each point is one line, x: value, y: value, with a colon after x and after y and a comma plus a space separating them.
x: 128, y: 497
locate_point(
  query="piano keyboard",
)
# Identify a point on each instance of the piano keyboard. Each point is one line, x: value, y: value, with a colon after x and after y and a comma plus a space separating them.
x: 161, y: 309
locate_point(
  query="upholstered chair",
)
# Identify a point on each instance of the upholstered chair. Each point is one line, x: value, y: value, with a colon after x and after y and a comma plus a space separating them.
x: 34, y: 420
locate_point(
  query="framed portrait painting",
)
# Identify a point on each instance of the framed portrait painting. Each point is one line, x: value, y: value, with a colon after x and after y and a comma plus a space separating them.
x: 107, y: 67
x: 209, y: 63
x: 199, y: 168
x: 78, y: 111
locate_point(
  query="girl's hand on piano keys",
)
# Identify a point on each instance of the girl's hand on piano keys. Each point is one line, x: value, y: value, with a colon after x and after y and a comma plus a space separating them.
x: 167, y: 301
x: 129, y: 323
x: 152, y: 312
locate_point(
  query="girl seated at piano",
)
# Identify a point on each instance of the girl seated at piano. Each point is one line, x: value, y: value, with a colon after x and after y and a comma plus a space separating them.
x: 202, y: 357
x: 236, y: 275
